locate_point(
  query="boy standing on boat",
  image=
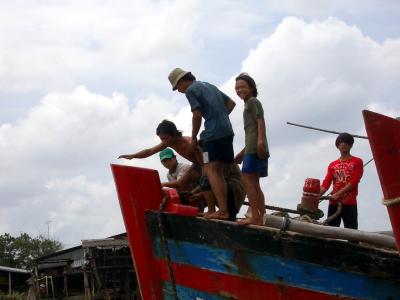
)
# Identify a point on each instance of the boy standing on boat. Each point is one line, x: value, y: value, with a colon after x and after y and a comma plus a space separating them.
x: 216, y: 140
x: 345, y: 173
x: 255, y: 153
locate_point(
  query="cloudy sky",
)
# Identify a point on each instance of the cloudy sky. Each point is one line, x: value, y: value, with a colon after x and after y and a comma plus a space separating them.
x: 82, y: 82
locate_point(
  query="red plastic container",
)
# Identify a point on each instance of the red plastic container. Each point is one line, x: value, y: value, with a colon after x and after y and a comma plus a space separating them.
x: 311, y: 185
x: 310, y: 202
x: 183, y: 210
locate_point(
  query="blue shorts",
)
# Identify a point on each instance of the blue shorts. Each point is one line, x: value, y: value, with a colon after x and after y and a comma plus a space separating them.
x: 252, y: 164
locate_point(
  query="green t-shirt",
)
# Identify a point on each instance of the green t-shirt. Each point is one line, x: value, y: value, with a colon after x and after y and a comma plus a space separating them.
x: 252, y: 110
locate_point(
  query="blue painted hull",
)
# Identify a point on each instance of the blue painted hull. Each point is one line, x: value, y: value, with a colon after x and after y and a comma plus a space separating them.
x: 279, y: 263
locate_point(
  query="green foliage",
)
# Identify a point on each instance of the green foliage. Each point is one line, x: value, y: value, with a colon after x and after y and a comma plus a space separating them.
x: 14, y: 296
x: 20, y: 252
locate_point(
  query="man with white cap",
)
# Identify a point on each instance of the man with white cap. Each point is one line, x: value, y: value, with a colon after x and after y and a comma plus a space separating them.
x: 216, y: 140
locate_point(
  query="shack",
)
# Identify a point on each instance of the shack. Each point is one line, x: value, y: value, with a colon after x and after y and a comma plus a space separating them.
x: 13, y: 280
x: 96, y: 269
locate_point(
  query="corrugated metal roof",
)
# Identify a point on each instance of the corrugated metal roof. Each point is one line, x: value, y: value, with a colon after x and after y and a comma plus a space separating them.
x: 13, y: 270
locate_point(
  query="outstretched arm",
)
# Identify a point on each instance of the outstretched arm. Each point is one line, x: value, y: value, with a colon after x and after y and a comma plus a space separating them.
x: 144, y: 153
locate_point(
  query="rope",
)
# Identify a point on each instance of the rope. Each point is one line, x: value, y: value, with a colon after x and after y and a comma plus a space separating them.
x: 164, y: 246
x: 285, y: 226
x: 391, y: 202
x: 335, y: 215
x: 308, y: 219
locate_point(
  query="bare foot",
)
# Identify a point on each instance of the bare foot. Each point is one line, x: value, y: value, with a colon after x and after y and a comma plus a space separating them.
x: 208, y: 214
x: 248, y: 221
x: 218, y: 215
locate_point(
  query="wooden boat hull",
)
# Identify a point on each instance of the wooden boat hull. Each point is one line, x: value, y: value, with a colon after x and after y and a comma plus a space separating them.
x: 214, y: 258
x: 223, y: 260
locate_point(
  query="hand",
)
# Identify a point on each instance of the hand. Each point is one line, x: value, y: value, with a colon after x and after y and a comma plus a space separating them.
x: 238, y: 158
x: 193, y: 142
x: 335, y: 197
x: 261, y: 151
x: 126, y: 156
x: 195, y: 198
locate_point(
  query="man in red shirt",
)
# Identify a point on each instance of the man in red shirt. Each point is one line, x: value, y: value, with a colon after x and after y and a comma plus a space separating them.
x: 345, y: 173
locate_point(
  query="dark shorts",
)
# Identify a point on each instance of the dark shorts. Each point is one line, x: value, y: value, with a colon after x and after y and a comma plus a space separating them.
x: 218, y: 150
x: 252, y: 164
x: 348, y: 214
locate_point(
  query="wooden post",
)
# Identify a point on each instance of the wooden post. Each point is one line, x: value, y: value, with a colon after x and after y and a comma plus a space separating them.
x: 47, y: 288
x: 86, y: 285
x: 52, y: 286
x: 65, y: 283
x: 9, y: 283
x: 92, y: 283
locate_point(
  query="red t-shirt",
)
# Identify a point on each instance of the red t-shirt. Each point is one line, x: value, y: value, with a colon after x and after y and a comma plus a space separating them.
x: 342, y: 172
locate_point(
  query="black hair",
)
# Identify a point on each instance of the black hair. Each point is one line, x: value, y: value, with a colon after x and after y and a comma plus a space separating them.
x: 168, y: 128
x: 188, y: 77
x: 344, y: 137
x: 250, y: 81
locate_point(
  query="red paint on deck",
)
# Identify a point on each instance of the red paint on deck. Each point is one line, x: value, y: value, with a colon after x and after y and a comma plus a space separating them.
x: 139, y: 190
x: 236, y: 287
x: 384, y: 138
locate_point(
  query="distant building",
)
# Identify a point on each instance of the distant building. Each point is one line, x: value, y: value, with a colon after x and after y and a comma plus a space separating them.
x: 13, y: 280
x: 99, y: 268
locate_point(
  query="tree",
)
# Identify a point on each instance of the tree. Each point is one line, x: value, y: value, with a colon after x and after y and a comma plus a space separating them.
x: 21, y: 251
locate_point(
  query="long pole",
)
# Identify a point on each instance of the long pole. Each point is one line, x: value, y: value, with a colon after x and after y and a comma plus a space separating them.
x: 326, y: 130
x: 48, y: 229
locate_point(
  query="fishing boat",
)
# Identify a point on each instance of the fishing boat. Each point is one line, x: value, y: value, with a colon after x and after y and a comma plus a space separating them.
x: 178, y: 255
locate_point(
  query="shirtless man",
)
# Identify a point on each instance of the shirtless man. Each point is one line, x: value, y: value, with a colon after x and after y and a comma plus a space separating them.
x: 171, y: 137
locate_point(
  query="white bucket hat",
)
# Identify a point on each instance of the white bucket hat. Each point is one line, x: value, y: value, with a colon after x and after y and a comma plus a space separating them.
x: 175, y: 75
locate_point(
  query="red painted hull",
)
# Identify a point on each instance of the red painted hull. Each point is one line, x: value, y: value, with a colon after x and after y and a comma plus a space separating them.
x: 384, y: 138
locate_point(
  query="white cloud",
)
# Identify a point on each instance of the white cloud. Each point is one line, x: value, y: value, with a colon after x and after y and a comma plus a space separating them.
x: 77, y: 41
x: 59, y: 156
x: 56, y: 158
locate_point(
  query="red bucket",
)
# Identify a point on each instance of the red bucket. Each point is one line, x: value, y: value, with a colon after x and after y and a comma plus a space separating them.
x: 311, y: 185
x: 309, y: 202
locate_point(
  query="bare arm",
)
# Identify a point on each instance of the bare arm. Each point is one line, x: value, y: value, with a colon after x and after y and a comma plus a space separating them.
x: 230, y: 105
x: 322, y: 191
x: 339, y: 194
x: 239, y: 157
x: 144, y: 153
x: 171, y: 184
x: 196, y: 123
x: 261, y: 150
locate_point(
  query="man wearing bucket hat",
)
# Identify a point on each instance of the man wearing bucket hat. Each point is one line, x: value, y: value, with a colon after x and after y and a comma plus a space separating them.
x: 345, y: 173
x: 216, y: 140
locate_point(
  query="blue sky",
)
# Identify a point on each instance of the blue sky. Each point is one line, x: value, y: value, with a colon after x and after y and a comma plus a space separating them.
x: 84, y: 81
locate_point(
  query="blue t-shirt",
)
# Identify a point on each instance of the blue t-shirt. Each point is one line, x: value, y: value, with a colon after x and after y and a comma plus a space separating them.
x: 211, y: 102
